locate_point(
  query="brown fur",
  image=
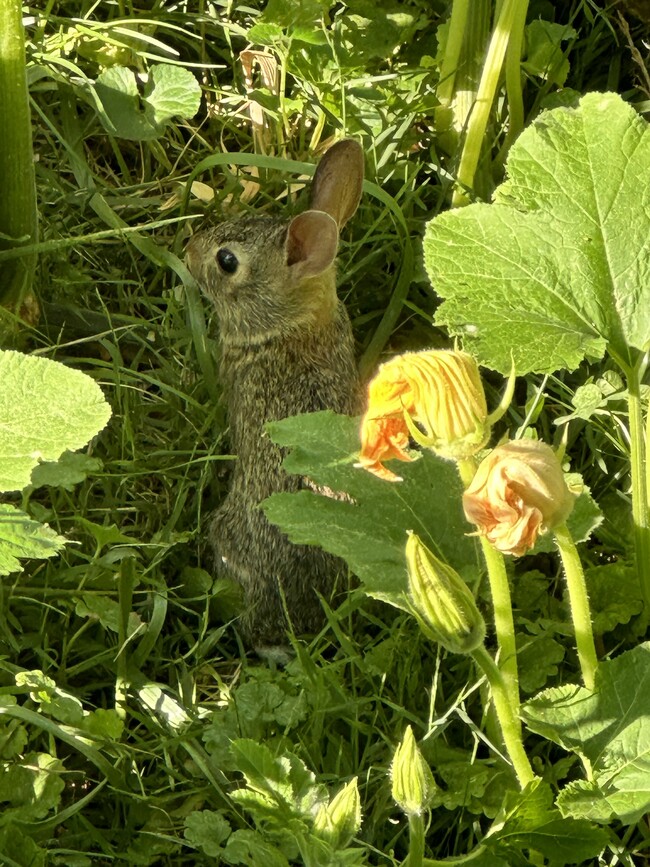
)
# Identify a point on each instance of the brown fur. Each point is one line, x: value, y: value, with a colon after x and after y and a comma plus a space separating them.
x: 286, y: 348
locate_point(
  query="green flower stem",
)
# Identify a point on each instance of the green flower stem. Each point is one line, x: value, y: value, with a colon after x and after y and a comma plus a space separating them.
x: 575, y: 579
x: 416, y: 841
x: 509, y: 16
x: 504, y: 623
x: 507, y: 716
x: 640, y: 483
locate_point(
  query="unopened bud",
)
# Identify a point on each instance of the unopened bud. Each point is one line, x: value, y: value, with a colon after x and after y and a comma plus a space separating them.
x: 441, y: 601
x: 338, y: 821
x: 413, y: 785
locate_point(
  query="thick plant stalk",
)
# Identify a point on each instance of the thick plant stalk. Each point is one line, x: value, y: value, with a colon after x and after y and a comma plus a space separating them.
x: 510, y: 15
x: 18, y: 214
x: 416, y: 841
x: 579, y: 601
x: 507, y: 716
x: 504, y: 623
x: 460, y: 70
x: 640, y: 474
x: 449, y: 68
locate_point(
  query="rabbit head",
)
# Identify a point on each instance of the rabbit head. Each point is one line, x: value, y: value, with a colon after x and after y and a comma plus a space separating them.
x: 269, y: 278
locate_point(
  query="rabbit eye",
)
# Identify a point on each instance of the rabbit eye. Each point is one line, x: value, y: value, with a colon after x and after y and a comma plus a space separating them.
x: 227, y: 260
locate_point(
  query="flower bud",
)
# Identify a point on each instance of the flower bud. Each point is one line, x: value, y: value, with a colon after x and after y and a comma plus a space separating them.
x: 441, y: 601
x: 413, y: 785
x: 338, y: 821
x: 434, y: 396
x: 517, y: 494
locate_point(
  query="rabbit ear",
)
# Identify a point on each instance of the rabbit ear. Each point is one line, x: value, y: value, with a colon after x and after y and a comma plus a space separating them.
x: 312, y: 240
x: 336, y: 187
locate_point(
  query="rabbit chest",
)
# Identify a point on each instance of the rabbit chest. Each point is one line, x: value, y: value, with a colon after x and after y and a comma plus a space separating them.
x: 283, y: 377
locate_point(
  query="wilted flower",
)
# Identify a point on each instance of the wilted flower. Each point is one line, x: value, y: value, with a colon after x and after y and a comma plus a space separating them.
x: 338, y: 821
x: 413, y: 785
x: 518, y: 493
x: 441, y: 601
x: 438, y: 390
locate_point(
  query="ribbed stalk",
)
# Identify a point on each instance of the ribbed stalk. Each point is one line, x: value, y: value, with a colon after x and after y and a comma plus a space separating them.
x: 18, y: 214
x: 460, y: 71
x: 416, y: 841
x: 639, y: 471
x: 579, y: 602
x: 507, y: 716
x: 511, y: 14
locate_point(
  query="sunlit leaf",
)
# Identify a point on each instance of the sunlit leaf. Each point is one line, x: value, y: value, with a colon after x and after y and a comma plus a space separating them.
x: 558, y: 267
x: 45, y: 408
x: 609, y: 727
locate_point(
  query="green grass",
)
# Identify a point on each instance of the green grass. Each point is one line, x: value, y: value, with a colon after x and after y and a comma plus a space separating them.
x: 129, y: 614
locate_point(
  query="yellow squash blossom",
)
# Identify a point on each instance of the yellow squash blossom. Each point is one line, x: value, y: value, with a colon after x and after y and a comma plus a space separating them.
x: 517, y: 494
x: 434, y: 396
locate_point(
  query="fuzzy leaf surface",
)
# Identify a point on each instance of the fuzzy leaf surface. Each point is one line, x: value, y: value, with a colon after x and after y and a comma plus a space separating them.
x: 45, y: 408
x: 245, y: 846
x: 278, y: 786
x: 611, y: 728
x: 368, y: 532
x: 558, y: 267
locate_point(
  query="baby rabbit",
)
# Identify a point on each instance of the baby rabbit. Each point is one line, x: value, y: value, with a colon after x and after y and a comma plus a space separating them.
x: 286, y: 348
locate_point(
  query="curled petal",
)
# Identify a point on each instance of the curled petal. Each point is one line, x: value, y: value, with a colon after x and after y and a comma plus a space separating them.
x: 436, y: 396
x: 383, y: 439
x: 517, y: 494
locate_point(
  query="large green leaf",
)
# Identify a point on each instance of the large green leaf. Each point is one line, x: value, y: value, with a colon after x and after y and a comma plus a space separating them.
x: 45, y: 408
x: 279, y: 787
x: 245, y: 846
x: 53, y: 701
x: 610, y: 729
x: 368, y: 528
x: 558, y: 267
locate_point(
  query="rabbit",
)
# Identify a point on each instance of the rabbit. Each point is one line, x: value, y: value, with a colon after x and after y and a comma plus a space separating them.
x: 286, y: 348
